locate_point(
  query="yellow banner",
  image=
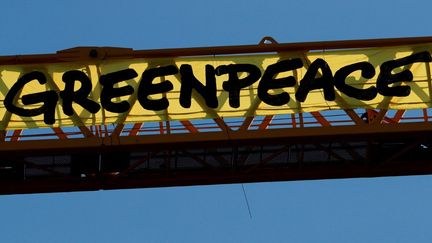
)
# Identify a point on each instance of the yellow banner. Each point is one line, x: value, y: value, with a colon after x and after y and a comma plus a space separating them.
x: 139, y: 90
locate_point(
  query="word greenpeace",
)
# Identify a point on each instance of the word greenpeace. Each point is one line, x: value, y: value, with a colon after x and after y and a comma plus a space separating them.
x: 318, y: 76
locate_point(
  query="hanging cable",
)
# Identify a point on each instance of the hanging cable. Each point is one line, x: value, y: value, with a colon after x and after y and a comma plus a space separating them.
x: 247, y: 201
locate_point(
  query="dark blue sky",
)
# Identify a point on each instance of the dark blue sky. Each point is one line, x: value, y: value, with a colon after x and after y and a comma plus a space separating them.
x: 360, y: 210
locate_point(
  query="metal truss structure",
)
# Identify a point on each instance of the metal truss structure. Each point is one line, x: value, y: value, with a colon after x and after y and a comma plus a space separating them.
x: 317, y: 145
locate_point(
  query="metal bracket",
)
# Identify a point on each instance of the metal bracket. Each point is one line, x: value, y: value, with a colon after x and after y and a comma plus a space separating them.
x: 267, y: 40
x: 88, y: 53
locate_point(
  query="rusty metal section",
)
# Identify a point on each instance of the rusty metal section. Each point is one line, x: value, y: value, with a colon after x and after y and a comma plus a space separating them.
x: 267, y: 44
x: 305, y: 146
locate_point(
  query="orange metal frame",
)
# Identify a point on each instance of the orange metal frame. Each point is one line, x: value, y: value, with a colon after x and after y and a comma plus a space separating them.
x: 357, y: 133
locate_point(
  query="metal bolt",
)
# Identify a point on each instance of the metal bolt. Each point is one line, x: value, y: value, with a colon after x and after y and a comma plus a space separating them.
x: 93, y: 53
